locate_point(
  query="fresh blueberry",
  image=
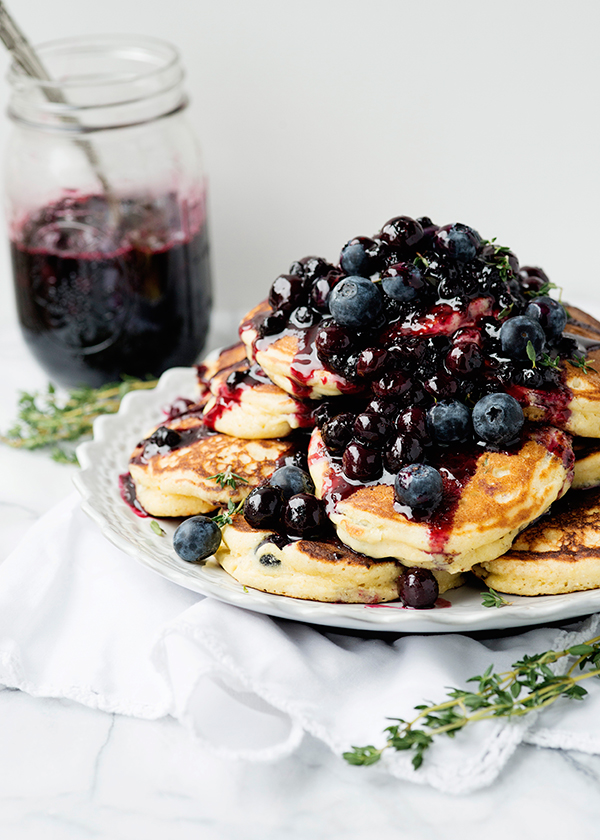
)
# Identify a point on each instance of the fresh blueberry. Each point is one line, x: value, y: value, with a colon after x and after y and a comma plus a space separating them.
x: 305, y: 516
x: 196, y: 539
x: 419, y: 487
x: 292, y: 480
x: 459, y: 241
x: 449, y: 421
x: 518, y: 333
x: 418, y: 588
x: 551, y: 315
x: 355, y: 302
x: 361, y: 256
x: 403, y: 282
x: 497, y: 418
x: 263, y: 507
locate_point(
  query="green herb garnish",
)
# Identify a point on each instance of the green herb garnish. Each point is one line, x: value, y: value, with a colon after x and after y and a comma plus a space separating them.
x: 582, y: 363
x: 157, y: 529
x: 491, y: 598
x: 548, y: 361
x: 530, y: 686
x: 228, y: 479
x: 45, y: 420
x: 225, y: 517
x: 531, y: 354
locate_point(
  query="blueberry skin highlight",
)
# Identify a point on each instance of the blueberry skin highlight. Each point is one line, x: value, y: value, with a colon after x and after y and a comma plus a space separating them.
x: 355, y: 302
x: 449, y: 421
x: 196, y: 539
x: 497, y: 418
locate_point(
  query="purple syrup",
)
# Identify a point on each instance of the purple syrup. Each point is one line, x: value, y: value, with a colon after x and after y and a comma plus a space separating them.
x: 129, y: 496
x: 96, y: 305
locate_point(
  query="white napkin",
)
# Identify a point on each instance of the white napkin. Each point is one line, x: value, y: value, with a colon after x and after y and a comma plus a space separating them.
x: 81, y: 620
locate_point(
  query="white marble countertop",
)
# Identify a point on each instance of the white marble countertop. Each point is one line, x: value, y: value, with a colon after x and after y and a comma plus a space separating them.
x: 67, y: 771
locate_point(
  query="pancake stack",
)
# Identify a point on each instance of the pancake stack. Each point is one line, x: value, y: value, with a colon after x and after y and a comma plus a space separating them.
x: 345, y: 372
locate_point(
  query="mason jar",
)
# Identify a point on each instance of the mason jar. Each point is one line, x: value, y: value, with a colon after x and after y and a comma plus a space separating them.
x: 106, y: 205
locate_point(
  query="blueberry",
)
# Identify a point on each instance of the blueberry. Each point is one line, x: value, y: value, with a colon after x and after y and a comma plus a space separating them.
x: 459, y: 241
x: 405, y: 449
x: 372, y: 428
x: 303, y: 317
x: 403, y: 282
x: 196, y: 539
x: 361, y: 462
x: 263, y: 507
x: 332, y: 339
x: 337, y: 432
x: 551, y: 315
x: 287, y: 292
x: 292, y: 480
x: 361, y: 256
x: 305, y: 516
x: 449, y: 421
x: 165, y: 437
x: 355, y: 302
x: 418, y: 588
x: 402, y: 232
x: 517, y: 333
x: 273, y: 323
x: 497, y: 418
x: 419, y: 487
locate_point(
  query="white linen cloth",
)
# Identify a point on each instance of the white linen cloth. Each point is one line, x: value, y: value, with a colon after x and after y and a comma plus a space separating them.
x: 81, y: 620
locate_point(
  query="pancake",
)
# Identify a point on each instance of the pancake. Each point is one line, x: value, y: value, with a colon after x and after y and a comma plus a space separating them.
x: 587, y: 463
x: 290, y: 360
x: 504, y: 493
x: 324, y: 570
x: 182, y: 481
x: 245, y: 403
x: 560, y: 553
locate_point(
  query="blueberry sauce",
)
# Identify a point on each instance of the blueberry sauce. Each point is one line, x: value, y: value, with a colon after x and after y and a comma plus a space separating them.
x: 129, y: 496
x: 97, y: 299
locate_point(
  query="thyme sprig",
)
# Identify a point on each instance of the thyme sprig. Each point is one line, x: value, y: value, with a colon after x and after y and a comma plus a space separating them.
x: 530, y: 686
x: 491, y: 598
x: 47, y: 420
x: 225, y: 517
x: 229, y: 479
x: 582, y: 363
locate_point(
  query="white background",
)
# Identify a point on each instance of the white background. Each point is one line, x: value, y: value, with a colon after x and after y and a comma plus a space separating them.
x: 320, y: 119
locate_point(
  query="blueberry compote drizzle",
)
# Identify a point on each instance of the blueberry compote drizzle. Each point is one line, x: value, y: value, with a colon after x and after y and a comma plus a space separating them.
x: 129, y: 496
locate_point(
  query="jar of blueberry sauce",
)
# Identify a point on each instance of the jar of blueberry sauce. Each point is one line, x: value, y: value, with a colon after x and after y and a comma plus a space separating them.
x: 106, y: 207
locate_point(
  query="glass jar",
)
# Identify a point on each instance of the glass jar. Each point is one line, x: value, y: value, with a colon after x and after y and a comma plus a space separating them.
x: 107, y: 212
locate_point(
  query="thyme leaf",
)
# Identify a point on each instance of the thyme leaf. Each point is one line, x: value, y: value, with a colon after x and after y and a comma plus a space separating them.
x: 228, y: 479
x: 531, y: 354
x: 530, y: 685
x: 491, y: 598
x: 225, y: 517
x: 582, y: 363
x: 157, y: 529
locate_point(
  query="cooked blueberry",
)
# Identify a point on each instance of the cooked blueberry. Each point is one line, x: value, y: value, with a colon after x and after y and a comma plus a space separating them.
x: 418, y: 588
x: 178, y: 407
x: 449, y: 421
x: 322, y: 286
x: 441, y: 386
x: 372, y: 428
x: 362, y: 463
x: 287, y: 292
x: 292, y: 480
x: 392, y: 384
x: 464, y: 360
x: 269, y: 560
x: 403, y: 282
x: 361, y: 256
x: 196, y: 539
x: 405, y: 450
x: 274, y: 323
x: 305, y: 516
x: 518, y: 333
x: 303, y: 317
x: 163, y: 436
x: 314, y: 267
x: 413, y: 420
x: 402, y: 232
x: 458, y: 241
x: 355, y: 302
x: 263, y: 507
x: 379, y: 405
x: 337, y: 432
x: 533, y: 279
x: 420, y: 488
x: 497, y: 418
x: 332, y: 339
x: 551, y: 315
x: 280, y: 540
x: 371, y: 361
x: 529, y: 377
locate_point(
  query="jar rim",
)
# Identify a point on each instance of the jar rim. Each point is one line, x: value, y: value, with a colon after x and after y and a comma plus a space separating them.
x: 156, y: 47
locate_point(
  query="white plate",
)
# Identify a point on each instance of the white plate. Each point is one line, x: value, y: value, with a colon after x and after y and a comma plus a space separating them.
x: 106, y: 457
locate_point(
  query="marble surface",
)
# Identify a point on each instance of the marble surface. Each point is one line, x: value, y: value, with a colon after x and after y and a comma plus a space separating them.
x: 67, y: 771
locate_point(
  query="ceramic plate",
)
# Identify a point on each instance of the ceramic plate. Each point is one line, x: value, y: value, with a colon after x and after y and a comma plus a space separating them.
x: 106, y: 457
